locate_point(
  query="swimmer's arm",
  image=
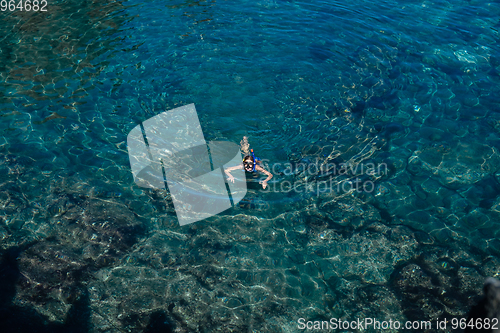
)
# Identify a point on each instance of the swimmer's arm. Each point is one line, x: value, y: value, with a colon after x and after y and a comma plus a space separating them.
x: 228, y: 171
x: 261, y: 169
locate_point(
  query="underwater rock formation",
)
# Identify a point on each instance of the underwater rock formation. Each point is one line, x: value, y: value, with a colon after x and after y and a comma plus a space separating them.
x: 488, y: 307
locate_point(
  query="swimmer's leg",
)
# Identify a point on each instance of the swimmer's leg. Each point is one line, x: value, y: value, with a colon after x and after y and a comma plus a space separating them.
x: 245, y: 147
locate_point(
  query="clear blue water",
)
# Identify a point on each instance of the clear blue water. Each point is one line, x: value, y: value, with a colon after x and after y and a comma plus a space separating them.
x: 409, y: 85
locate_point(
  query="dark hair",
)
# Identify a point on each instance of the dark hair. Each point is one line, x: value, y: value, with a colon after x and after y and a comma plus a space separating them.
x: 248, y: 158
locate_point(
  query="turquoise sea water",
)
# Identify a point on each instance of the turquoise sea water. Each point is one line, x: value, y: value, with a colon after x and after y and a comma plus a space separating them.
x: 408, y: 89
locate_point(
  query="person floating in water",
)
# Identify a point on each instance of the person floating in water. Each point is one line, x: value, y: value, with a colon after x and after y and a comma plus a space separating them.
x: 250, y: 164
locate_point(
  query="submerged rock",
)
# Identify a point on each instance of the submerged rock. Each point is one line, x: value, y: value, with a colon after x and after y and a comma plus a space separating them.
x: 487, y: 308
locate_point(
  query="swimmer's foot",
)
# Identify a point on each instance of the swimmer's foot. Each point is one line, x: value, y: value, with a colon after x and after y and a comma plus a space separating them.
x: 245, y: 147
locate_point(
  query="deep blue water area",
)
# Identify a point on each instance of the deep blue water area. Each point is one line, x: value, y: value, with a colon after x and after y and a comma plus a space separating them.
x: 398, y: 97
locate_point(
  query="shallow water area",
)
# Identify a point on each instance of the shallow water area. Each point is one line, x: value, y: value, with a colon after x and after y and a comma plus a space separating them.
x: 378, y: 121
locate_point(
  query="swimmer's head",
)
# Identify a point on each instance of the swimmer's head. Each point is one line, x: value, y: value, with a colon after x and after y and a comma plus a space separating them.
x: 248, y: 163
